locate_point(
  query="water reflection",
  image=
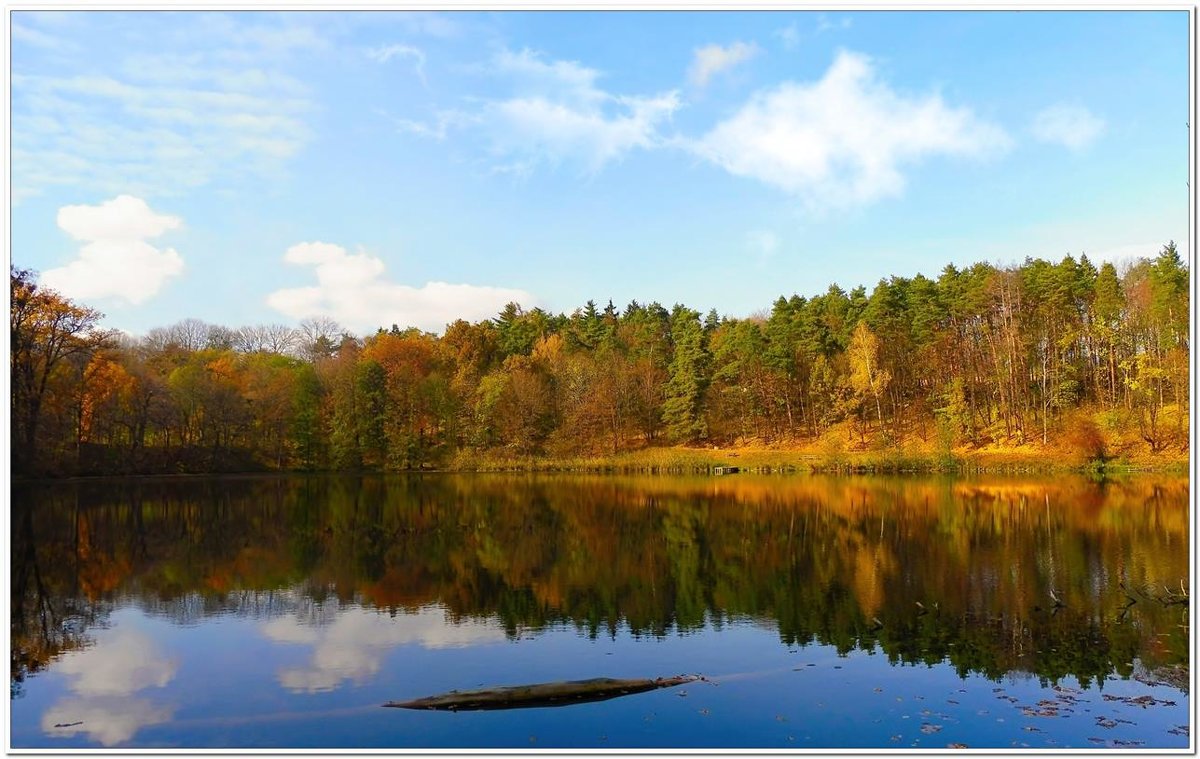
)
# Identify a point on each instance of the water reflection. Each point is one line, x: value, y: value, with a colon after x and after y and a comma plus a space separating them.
x: 103, y: 680
x: 352, y: 645
x: 1055, y: 578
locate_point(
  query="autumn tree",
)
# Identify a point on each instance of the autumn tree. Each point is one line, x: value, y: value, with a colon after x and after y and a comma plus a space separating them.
x: 867, y: 377
x: 45, y: 330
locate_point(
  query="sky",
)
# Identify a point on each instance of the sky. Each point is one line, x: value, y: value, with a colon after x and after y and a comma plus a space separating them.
x: 413, y: 168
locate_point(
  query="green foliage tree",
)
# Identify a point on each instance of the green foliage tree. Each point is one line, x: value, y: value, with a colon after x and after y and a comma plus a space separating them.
x: 689, y: 378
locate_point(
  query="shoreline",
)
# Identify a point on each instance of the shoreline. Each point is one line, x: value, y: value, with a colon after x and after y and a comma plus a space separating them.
x: 718, y: 461
x: 715, y: 461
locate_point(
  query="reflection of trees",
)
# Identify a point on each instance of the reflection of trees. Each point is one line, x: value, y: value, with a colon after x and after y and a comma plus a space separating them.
x: 47, y: 614
x: 924, y: 570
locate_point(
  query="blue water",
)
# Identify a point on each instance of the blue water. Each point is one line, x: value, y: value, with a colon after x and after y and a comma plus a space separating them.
x: 855, y: 614
x: 284, y: 681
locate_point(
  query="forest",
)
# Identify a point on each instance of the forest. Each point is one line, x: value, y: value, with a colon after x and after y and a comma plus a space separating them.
x: 1062, y: 357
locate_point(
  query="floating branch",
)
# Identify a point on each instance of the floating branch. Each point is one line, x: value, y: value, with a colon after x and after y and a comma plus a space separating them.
x: 541, y: 694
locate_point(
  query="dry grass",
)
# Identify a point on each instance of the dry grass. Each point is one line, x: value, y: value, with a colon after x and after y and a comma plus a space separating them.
x: 1088, y: 441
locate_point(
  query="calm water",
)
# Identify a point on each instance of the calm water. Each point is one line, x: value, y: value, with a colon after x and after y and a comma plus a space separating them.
x: 851, y: 612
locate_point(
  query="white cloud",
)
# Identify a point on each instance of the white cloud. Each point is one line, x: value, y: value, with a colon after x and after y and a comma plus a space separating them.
x: 825, y: 24
x: 440, y: 127
x: 104, y: 679
x: 121, y: 663
x: 385, y: 53
x: 842, y: 141
x: 711, y: 60
x: 110, y: 721
x: 353, y: 646
x: 1074, y: 127
x: 351, y: 289
x: 116, y: 261
x: 159, y: 123
x: 37, y: 38
x: 558, y: 114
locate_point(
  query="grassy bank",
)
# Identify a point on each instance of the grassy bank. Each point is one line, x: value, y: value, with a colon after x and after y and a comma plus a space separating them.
x: 813, y: 459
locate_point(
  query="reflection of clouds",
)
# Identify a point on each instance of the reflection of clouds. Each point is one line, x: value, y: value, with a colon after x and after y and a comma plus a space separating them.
x: 352, y: 647
x: 122, y: 662
x: 107, y: 719
x: 104, y: 679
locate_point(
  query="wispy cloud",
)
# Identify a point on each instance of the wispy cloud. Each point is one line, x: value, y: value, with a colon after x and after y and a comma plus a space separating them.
x: 764, y: 244
x: 843, y: 140
x: 116, y: 261
x: 827, y: 24
x: 710, y: 60
x: 28, y: 35
x: 385, y: 53
x: 1071, y: 126
x: 160, y: 123
x: 789, y: 35
x: 439, y: 126
x: 557, y: 114
x: 352, y: 288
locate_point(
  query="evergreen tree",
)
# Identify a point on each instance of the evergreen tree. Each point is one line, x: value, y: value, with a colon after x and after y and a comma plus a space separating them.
x: 688, y: 378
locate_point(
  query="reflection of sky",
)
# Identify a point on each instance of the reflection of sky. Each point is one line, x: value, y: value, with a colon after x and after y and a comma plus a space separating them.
x: 104, y: 680
x: 353, y: 645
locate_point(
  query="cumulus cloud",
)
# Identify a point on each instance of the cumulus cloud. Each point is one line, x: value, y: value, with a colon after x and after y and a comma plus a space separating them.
x: 116, y: 261
x: 557, y: 114
x: 1072, y: 126
x: 353, y: 645
x: 711, y: 60
x: 843, y: 140
x: 351, y: 288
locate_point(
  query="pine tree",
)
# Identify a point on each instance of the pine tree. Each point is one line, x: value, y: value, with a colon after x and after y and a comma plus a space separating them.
x: 688, y: 378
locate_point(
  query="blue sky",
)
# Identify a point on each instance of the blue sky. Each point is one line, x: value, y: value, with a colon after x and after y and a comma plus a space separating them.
x: 254, y: 167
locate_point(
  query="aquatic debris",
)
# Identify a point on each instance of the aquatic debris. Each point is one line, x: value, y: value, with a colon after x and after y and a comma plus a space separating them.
x: 1142, y: 701
x: 957, y: 745
x: 541, y: 694
x: 68, y: 724
x: 1106, y: 723
x: 930, y: 729
x: 1177, y: 730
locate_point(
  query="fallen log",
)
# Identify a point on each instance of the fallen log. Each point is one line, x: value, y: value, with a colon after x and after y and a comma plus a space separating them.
x: 541, y: 694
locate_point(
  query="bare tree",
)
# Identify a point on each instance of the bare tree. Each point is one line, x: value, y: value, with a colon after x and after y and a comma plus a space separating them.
x: 319, y: 337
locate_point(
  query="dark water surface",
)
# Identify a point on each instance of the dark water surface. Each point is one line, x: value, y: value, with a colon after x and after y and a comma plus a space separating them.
x: 827, y: 612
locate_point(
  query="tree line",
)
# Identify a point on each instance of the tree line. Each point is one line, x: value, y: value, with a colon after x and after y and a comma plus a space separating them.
x: 1062, y: 354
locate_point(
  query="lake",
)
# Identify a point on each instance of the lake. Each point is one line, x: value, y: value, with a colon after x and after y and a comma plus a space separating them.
x: 825, y: 612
